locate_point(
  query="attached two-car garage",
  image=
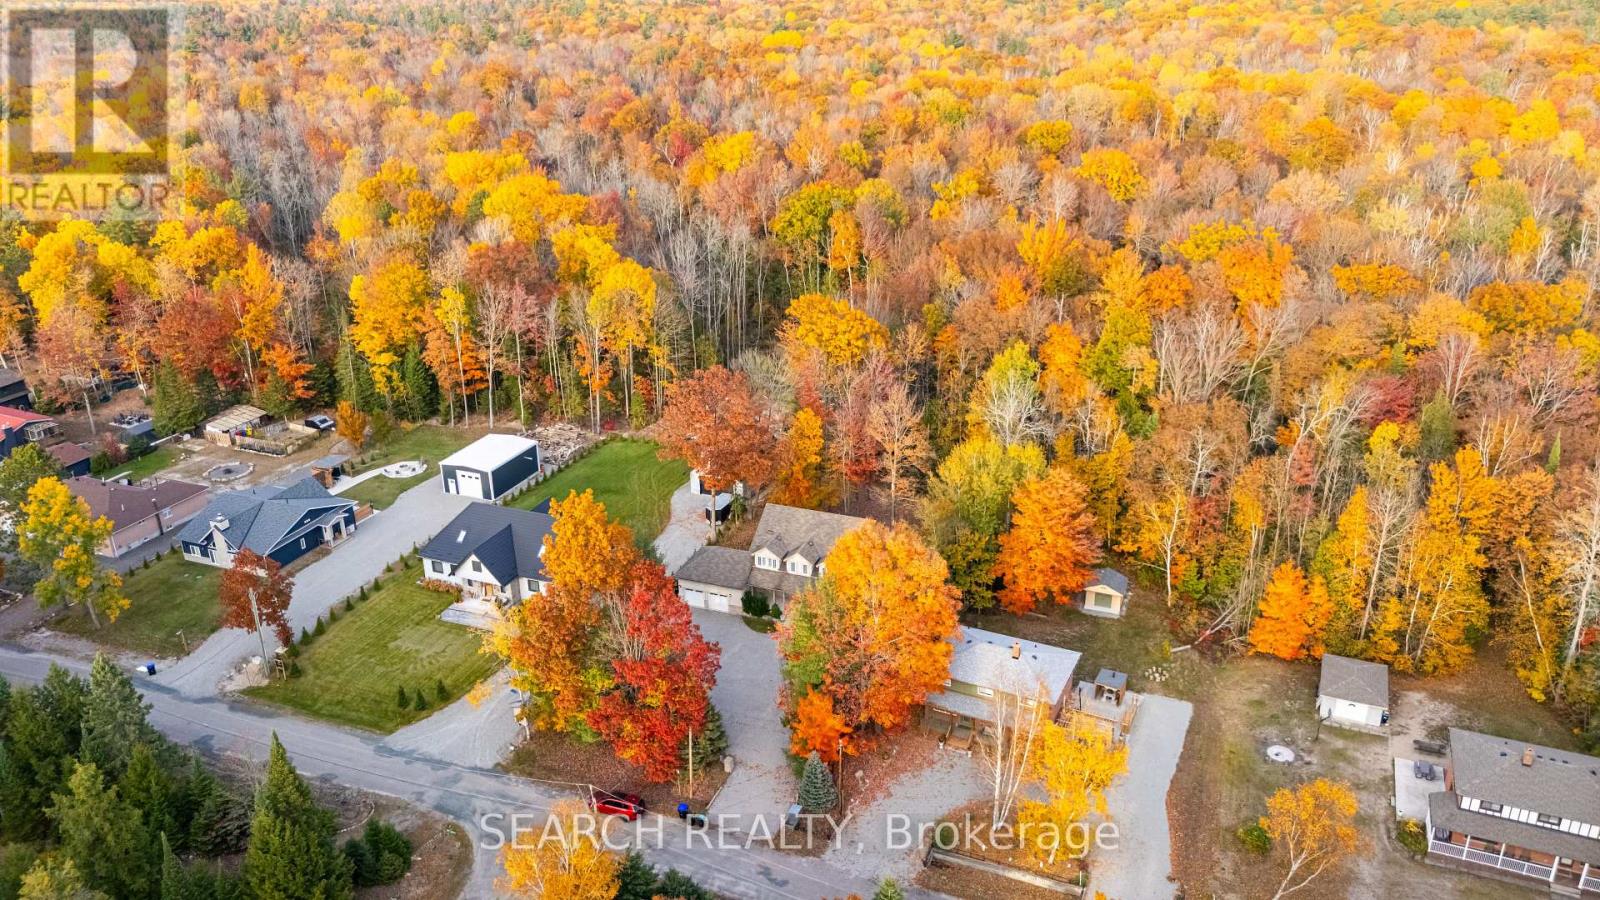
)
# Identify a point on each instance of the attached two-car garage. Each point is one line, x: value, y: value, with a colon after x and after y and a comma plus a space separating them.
x: 714, y: 578
x: 707, y: 597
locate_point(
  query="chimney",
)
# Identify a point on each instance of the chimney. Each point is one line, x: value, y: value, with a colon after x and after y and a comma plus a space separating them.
x: 1016, y: 649
x: 1527, y: 756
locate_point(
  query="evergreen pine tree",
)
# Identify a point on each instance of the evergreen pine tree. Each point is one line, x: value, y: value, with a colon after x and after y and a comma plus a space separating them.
x: 711, y: 742
x: 401, y: 698
x: 41, y: 746
x: 115, y: 719
x: 219, y: 821
x: 104, y: 835
x: 678, y: 885
x: 420, y: 392
x: 636, y: 879
x: 149, y: 789
x: 175, y: 403
x: 291, y: 853
x: 174, y: 880
x: 354, y: 378
x: 888, y: 889
x: 817, y: 792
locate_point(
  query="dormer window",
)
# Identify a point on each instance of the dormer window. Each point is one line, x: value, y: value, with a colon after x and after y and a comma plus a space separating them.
x: 766, y: 560
x: 797, y: 565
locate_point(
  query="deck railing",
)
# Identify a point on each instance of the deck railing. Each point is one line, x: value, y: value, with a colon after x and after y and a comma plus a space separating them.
x: 1493, y: 860
x: 1589, y: 883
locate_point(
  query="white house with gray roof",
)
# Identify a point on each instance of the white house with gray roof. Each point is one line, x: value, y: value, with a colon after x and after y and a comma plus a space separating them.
x: 280, y: 522
x: 1519, y: 810
x: 493, y: 554
x: 1353, y: 693
x: 787, y: 554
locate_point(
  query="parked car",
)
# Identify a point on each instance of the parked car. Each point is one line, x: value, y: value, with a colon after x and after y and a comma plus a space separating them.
x: 628, y: 806
x: 320, y: 423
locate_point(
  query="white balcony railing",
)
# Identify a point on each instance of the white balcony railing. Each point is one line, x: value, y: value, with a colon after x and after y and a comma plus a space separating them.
x: 1590, y: 883
x: 1495, y: 860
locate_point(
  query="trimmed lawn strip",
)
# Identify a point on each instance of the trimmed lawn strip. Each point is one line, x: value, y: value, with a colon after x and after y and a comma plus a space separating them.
x: 429, y: 443
x: 147, y: 465
x: 627, y: 476
x: 171, y: 595
x: 392, y: 640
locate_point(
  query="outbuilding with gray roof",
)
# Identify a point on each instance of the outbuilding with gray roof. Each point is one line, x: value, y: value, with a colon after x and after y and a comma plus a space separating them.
x: 1353, y: 693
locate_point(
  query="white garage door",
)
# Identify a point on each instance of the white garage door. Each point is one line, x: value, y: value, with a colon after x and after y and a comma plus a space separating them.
x: 694, y: 598
x: 719, y: 602
x: 470, y: 484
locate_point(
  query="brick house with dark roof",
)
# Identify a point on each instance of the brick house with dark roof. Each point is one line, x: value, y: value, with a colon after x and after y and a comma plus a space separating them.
x: 1518, y: 810
x: 139, y: 512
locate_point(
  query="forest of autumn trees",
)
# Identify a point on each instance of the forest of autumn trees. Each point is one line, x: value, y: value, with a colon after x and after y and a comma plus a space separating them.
x: 1290, y: 308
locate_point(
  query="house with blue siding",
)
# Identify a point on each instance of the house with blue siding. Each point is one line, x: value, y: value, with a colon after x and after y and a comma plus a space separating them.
x: 280, y: 522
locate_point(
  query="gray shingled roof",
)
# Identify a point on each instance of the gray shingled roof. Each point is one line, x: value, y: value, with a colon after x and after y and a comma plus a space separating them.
x: 1559, y: 783
x: 262, y: 518
x: 789, y: 529
x: 1355, y: 680
x: 1445, y: 812
x: 983, y: 658
x: 505, y: 539
x: 721, y: 566
x: 1111, y: 578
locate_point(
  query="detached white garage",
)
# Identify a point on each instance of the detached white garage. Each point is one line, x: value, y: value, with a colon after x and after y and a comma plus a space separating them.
x: 1353, y: 693
x: 714, y: 578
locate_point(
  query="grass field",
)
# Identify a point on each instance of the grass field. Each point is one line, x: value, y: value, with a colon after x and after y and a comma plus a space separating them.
x: 426, y: 442
x: 627, y: 476
x: 172, y: 595
x: 392, y: 640
x: 147, y: 465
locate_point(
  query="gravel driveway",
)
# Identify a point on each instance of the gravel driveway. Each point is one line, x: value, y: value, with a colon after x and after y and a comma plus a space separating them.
x: 1141, y: 865
x: 379, y: 540
x: 686, y: 531
x: 462, y: 734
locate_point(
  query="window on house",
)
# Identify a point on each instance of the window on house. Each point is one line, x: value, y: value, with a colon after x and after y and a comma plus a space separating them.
x: 985, y: 692
x: 477, y: 566
x: 302, y: 543
x: 1549, y: 821
x: 1492, y: 809
x: 437, y: 566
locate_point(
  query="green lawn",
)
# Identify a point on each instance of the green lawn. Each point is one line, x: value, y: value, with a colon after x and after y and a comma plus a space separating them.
x: 426, y: 442
x: 628, y: 477
x: 147, y: 465
x: 172, y: 594
x: 393, y: 640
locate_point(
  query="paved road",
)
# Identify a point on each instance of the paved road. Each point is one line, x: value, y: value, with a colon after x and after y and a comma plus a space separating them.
x: 686, y: 532
x: 1141, y: 865
x: 379, y: 540
x: 481, y: 800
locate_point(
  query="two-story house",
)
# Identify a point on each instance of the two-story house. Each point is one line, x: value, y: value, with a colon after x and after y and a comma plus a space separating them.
x: 989, y: 670
x: 1516, y: 809
x: 787, y: 554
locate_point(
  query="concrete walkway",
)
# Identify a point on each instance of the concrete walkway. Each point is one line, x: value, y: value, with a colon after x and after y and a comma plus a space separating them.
x: 379, y: 540
x: 686, y: 531
x: 1141, y: 864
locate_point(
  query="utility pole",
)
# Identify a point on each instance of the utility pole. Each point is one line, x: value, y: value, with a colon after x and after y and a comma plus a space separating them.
x: 691, y: 763
x: 255, y: 612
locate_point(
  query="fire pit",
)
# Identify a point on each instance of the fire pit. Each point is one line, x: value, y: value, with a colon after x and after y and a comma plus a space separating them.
x: 404, y: 469
x: 1278, y: 753
x: 229, y: 471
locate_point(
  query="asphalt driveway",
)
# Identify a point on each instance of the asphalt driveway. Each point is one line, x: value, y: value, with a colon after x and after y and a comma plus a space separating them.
x: 747, y: 696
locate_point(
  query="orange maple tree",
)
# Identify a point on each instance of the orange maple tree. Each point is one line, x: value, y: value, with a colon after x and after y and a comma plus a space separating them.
x: 1051, y: 545
x: 1294, y: 613
x: 716, y: 423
